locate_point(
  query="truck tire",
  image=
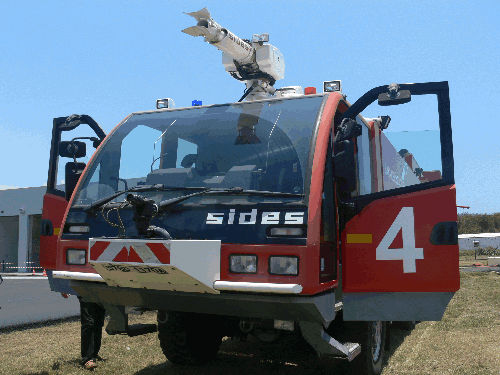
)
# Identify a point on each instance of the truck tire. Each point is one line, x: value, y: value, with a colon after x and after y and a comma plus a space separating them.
x: 372, y: 336
x: 188, y: 338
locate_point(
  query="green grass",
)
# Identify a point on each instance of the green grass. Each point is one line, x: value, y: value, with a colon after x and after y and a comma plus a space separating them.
x: 465, y: 342
x: 467, y: 339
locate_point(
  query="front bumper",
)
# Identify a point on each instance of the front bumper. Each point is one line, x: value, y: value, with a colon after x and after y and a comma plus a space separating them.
x: 319, y: 308
x: 233, y: 286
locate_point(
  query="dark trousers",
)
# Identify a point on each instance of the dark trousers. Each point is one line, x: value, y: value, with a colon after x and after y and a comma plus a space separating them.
x: 92, y: 319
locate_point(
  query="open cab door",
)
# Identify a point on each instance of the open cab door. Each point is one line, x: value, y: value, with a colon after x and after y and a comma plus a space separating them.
x: 56, y: 200
x: 398, y: 207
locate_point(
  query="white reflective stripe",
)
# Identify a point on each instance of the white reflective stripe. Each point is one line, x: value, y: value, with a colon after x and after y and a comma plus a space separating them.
x: 111, y: 251
x: 145, y: 253
x: 86, y: 276
x: 258, y: 287
x: 142, y: 250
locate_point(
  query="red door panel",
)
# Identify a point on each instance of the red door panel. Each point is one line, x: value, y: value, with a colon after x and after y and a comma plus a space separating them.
x: 54, y: 207
x: 54, y: 202
x: 388, y: 248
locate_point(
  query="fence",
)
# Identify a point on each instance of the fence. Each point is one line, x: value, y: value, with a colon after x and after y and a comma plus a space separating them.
x: 14, y: 267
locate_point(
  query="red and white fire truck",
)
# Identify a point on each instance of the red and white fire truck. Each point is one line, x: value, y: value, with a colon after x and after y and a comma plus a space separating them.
x: 287, y: 211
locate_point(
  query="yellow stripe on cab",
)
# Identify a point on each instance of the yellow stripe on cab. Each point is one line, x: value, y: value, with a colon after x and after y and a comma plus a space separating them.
x: 359, y: 238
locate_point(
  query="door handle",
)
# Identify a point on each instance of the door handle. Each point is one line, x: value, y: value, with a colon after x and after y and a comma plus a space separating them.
x: 47, y: 229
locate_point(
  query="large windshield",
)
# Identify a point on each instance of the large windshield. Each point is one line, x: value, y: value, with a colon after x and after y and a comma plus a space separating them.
x: 259, y: 146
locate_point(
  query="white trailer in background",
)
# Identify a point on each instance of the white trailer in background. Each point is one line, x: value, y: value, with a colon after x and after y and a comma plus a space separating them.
x: 478, y: 240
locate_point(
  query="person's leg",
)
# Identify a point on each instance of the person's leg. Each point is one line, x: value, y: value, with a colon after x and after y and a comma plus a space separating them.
x: 90, y: 326
x: 99, y: 314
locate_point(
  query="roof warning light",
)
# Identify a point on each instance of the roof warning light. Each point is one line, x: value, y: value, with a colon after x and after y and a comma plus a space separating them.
x: 164, y: 103
x: 310, y: 90
x: 332, y: 86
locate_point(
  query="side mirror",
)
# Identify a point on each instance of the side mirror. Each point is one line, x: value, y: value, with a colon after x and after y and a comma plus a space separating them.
x: 72, y: 149
x: 348, y: 129
x: 72, y: 173
x: 95, y: 142
x: 394, y: 96
x: 344, y: 164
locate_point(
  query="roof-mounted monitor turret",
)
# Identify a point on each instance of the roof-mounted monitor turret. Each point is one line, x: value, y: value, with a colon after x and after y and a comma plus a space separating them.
x: 256, y: 62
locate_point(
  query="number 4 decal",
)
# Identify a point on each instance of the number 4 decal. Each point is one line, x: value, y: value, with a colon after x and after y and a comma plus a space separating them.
x: 409, y: 253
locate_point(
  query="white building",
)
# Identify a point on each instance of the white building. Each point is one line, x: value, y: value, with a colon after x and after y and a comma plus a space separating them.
x: 479, y: 240
x: 20, y: 222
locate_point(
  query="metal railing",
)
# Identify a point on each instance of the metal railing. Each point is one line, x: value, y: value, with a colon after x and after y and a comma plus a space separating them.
x: 28, y: 266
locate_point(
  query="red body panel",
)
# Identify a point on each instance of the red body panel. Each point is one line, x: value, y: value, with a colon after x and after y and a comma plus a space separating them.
x: 436, y: 272
x: 308, y: 275
x: 311, y: 283
x: 64, y: 245
x: 318, y: 171
x: 54, y: 207
x: 263, y: 252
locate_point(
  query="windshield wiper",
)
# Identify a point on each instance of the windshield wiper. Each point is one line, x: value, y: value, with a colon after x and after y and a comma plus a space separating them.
x: 158, y: 187
x: 163, y: 205
x: 202, y: 190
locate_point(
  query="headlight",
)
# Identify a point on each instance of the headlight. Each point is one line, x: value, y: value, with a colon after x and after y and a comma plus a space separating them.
x: 286, y: 232
x: 78, y: 228
x: 76, y: 256
x: 243, y: 263
x: 284, y: 265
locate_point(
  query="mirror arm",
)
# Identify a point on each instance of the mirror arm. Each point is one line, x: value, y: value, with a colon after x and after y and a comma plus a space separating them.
x: 73, y: 121
x: 364, y: 101
x: 439, y: 88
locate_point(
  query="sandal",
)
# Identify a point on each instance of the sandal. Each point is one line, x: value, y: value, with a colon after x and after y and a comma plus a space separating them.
x: 90, y: 364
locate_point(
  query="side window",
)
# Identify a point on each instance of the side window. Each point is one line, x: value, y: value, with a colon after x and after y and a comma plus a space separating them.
x: 397, y: 165
x: 364, y: 159
x: 137, y: 155
x: 411, y: 148
x: 187, y: 153
x: 407, y: 152
x: 92, y: 190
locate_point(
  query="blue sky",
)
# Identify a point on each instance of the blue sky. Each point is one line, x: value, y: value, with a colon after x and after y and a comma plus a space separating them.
x: 108, y: 59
